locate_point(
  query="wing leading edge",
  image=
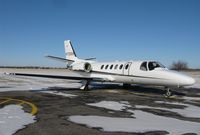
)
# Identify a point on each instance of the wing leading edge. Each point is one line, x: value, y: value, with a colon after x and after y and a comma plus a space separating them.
x: 57, y: 76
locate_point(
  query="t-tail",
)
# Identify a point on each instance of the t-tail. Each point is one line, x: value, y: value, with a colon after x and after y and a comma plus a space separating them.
x: 71, y: 57
x: 69, y: 51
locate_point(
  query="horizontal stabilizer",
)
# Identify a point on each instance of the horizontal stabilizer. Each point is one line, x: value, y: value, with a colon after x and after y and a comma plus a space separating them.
x: 59, y: 59
x: 90, y: 59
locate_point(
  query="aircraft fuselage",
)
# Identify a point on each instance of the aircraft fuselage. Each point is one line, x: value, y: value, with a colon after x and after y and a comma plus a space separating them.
x: 131, y: 72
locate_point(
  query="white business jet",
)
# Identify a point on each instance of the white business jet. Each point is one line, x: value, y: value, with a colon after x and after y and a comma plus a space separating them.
x: 126, y: 72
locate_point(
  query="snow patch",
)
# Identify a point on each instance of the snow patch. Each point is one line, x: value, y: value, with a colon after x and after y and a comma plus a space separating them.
x: 143, y: 122
x: 188, y: 110
x: 192, y: 98
x: 16, y: 83
x: 13, y: 118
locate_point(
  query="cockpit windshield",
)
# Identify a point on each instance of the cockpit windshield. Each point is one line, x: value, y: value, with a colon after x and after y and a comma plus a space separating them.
x: 145, y: 66
x: 153, y: 65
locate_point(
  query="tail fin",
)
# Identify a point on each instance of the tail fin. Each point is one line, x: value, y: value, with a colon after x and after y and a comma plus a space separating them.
x: 69, y: 50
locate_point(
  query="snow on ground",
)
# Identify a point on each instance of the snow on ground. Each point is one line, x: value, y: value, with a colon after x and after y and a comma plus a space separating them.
x: 142, y: 121
x: 16, y: 83
x: 112, y: 105
x: 191, y: 98
x: 13, y: 118
x: 60, y: 93
x: 188, y: 111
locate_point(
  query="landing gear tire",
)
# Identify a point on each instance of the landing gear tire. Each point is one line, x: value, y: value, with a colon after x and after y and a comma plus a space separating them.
x: 168, y: 93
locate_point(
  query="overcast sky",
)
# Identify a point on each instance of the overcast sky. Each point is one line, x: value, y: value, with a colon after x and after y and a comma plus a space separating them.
x: 162, y: 30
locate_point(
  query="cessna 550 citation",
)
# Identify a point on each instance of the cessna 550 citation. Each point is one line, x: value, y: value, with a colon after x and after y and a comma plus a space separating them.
x: 126, y: 72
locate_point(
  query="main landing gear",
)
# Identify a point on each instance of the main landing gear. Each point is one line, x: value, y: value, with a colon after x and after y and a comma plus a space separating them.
x: 85, y: 84
x: 126, y: 86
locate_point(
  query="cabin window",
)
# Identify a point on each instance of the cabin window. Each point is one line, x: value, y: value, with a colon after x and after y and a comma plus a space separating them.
x: 102, y: 66
x: 126, y: 67
x: 106, y: 67
x: 153, y: 65
x: 116, y: 66
x: 143, y: 66
x: 111, y: 66
x: 121, y: 66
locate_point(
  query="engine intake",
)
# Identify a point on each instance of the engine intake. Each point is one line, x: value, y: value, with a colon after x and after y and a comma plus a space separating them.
x: 84, y: 66
x: 87, y: 67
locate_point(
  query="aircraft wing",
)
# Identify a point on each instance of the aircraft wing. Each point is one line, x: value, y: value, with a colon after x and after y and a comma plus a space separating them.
x: 58, y: 76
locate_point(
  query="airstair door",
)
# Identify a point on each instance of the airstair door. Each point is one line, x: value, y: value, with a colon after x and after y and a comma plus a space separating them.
x: 126, y: 69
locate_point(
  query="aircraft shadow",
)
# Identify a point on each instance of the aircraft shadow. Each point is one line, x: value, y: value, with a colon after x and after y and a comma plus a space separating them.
x: 132, y: 88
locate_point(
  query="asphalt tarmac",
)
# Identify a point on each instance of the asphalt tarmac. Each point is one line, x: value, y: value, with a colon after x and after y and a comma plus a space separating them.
x: 114, y: 111
x: 53, y: 111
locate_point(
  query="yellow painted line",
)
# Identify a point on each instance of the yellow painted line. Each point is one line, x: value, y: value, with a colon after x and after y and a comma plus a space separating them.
x: 33, y: 107
x: 7, y: 100
x: 21, y: 103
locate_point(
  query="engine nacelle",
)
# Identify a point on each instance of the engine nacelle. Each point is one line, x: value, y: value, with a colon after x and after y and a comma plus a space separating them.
x: 87, y: 67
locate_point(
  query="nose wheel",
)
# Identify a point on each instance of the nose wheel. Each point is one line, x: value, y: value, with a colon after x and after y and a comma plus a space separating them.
x: 168, y: 93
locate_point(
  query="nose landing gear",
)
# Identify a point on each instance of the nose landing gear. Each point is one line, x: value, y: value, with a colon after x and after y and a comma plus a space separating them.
x: 168, y: 93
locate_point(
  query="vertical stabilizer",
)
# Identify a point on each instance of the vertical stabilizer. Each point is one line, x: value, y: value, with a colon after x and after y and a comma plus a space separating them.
x: 69, y: 50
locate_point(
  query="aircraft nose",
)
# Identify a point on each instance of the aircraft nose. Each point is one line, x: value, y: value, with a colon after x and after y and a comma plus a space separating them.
x: 187, y: 81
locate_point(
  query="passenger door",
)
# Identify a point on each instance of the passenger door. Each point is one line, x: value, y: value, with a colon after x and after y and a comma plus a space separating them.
x: 126, y: 69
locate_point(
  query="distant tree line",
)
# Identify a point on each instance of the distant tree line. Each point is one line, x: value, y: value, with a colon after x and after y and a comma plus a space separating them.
x: 179, y: 65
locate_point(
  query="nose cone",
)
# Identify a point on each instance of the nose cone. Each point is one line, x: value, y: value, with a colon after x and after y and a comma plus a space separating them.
x: 186, y: 81
x: 181, y: 79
